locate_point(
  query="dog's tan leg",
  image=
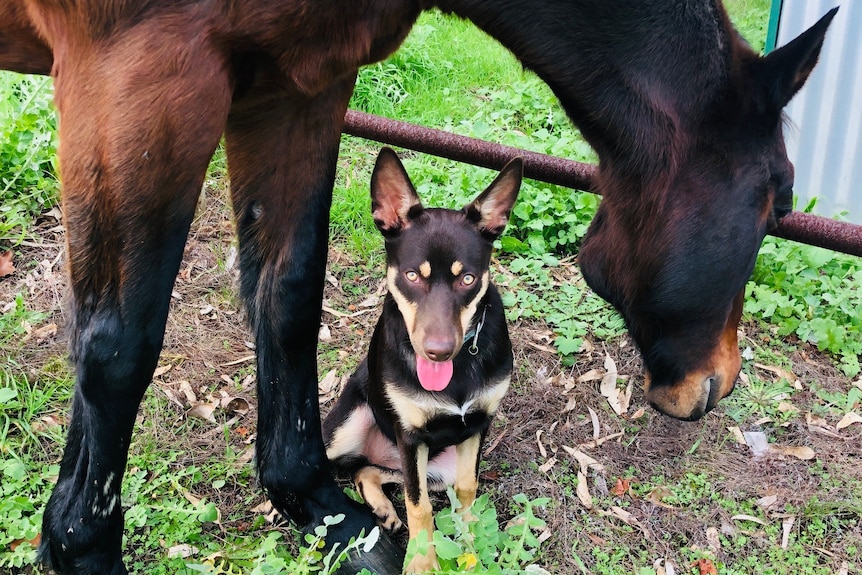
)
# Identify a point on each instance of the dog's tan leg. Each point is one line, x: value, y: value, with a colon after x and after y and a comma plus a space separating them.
x: 369, y: 481
x: 466, y: 466
x: 420, y: 515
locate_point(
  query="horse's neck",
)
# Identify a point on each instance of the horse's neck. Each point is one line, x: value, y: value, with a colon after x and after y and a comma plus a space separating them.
x: 631, y: 77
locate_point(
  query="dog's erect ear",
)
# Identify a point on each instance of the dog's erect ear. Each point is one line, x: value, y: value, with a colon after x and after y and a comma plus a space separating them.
x: 490, y: 211
x: 393, y: 199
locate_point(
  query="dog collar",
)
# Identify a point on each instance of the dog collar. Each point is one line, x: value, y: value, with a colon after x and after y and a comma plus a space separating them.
x: 474, y: 334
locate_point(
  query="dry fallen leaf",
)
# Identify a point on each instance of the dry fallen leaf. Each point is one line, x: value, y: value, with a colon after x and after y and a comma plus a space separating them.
x: 584, y: 461
x: 597, y: 431
x: 817, y: 424
x: 370, y: 301
x: 601, y: 440
x: 787, y: 407
x: 539, y: 441
x: 545, y: 467
x: 621, y: 487
x: 705, y: 566
x: 624, y: 516
x: 13, y: 545
x: 47, y: 422
x: 188, y: 392
x: 767, y: 501
x: 713, y: 539
x: 737, y: 434
x: 608, y: 387
x: 40, y: 334
x: 849, y: 419
x: 618, y: 399
x: 779, y: 371
x: 247, y: 454
x: 657, y: 496
x: 328, y: 383
x: 183, y: 550
x: 752, y: 518
x: 6, y: 267
x: 591, y: 375
x: 161, y: 370
x: 786, y: 526
x: 797, y: 451
x: 203, y: 411
x: 236, y: 405
x: 583, y: 491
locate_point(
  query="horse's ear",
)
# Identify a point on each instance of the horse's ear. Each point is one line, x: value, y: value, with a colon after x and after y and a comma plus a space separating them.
x: 785, y: 70
x: 490, y: 211
x: 394, y: 201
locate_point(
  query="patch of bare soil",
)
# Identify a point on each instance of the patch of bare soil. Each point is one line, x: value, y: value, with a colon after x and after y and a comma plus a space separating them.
x: 554, y: 426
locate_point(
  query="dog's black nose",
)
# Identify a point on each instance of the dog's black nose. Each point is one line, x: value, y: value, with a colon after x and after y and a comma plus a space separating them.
x: 439, y: 349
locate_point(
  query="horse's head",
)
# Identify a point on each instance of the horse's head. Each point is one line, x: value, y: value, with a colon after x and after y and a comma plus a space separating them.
x: 674, y: 258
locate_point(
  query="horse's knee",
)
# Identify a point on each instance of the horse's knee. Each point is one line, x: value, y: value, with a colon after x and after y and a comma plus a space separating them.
x: 115, y: 357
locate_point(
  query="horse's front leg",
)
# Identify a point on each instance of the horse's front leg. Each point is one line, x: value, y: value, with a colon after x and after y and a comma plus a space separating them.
x: 135, y: 139
x: 282, y: 149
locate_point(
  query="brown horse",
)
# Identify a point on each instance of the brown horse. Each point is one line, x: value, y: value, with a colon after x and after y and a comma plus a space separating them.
x: 685, y: 117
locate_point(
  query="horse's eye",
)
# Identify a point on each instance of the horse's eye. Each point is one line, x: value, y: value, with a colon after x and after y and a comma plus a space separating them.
x: 468, y: 279
x: 412, y: 276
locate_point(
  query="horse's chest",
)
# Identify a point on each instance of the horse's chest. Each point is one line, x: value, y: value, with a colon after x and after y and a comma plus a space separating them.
x: 316, y: 43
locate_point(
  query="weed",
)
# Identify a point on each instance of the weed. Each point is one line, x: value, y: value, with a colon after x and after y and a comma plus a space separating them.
x: 28, y: 184
x: 812, y: 293
x: 478, y: 544
x: 568, y: 306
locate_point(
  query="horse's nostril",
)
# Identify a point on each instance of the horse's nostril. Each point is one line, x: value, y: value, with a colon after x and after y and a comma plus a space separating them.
x: 713, y: 385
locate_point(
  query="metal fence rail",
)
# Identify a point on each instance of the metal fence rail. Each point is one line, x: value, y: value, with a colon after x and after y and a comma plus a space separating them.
x: 801, y: 227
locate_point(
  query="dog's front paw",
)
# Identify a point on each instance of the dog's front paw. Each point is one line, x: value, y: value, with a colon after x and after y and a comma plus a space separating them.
x: 387, y: 517
x: 423, y: 563
x: 392, y: 524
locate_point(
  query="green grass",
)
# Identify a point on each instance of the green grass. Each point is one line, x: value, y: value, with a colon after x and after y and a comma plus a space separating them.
x: 27, y: 465
x: 28, y: 185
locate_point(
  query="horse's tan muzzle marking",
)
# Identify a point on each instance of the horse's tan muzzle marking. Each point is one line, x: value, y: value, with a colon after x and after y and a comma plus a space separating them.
x: 700, y: 390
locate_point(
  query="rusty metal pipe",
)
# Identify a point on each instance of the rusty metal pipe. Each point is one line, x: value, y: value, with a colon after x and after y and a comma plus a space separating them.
x: 797, y: 226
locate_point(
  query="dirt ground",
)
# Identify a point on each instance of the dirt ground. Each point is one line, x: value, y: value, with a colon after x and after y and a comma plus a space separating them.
x: 552, y: 413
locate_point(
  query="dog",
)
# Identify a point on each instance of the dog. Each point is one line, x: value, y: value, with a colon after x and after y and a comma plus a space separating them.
x: 418, y: 407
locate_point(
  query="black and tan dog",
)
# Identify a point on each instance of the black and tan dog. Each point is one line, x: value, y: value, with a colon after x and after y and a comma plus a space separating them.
x: 418, y: 407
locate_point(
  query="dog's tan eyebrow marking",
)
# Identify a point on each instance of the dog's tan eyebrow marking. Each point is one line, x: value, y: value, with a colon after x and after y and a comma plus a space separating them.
x: 425, y: 269
x: 457, y: 268
x: 405, y: 306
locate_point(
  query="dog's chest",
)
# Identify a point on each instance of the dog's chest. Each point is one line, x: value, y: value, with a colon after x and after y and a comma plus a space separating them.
x: 422, y: 411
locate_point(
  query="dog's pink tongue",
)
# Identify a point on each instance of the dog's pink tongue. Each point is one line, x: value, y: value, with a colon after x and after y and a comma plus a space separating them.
x: 433, y: 375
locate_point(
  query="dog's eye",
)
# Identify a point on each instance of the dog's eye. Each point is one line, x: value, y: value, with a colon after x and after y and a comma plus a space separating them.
x: 468, y: 279
x: 412, y: 276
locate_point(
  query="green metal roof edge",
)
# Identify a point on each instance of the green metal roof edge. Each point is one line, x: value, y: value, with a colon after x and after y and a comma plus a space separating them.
x: 772, y: 31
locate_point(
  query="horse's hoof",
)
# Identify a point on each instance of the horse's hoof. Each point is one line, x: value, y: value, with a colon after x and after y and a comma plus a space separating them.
x: 385, y: 558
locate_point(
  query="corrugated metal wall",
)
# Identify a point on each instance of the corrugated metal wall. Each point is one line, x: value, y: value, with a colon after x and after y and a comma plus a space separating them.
x: 825, y: 138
